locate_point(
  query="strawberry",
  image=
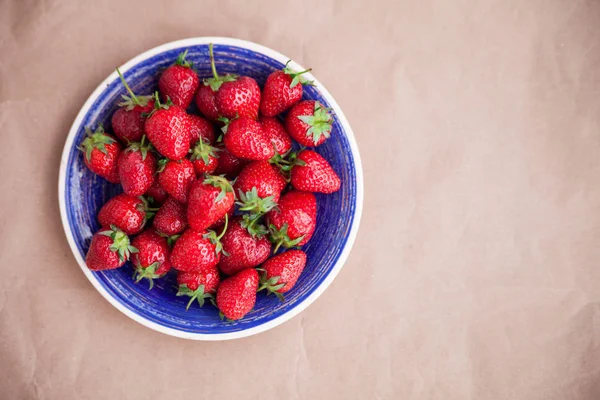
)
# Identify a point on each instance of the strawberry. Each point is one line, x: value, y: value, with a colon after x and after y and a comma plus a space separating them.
x: 294, y: 221
x: 218, y: 226
x: 156, y: 194
x: 204, y: 157
x: 236, y: 295
x: 109, y: 249
x: 128, y: 121
x: 280, y: 273
x: 309, y: 123
x: 282, y: 90
x: 152, y: 259
x: 137, y: 166
x: 179, y: 82
x: 207, y: 102
x: 263, y: 177
x: 208, y: 201
x: 198, y: 285
x: 197, y: 251
x: 200, y: 129
x: 176, y: 178
x: 170, y: 219
x: 244, y: 138
x: 239, y: 98
x: 234, y: 95
x: 314, y: 174
x: 168, y: 129
x: 126, y: 212
x: 229, y: 165
x: 276, y: 133
x: 101, y: 152
x: 241, y: 250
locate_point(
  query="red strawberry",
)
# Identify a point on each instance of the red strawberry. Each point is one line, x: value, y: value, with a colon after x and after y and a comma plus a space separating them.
x: 263, y: 177
x: 179, y: 82
x: 109, y: 249
x: 168, y: 129
x: 281, y: 272
x: 196, y: 251
x: 239, y: 98
x: 229, y: 165
x: 236, y: 295
x: 101, y: 152
x: 198, y: 285
x: 234, y: 95
x: 176, y: 178
x: 207, y: 102
x: 152, y: 259
x: 157, y: 193
x: 128, y: 121
x: 204, y: 157
x: 276, y: 133
x: 170, y: 219
x: 126, y: 212
x: 294, y: 221
x: 309, y: 123
x: 242, y: 250
x: 137, y: 167
x: 244, y: 138
x: 208, y: 201
x: 218, y: 226
x: 200, y: 129
x: 314, y: 174
x: 282, y: 90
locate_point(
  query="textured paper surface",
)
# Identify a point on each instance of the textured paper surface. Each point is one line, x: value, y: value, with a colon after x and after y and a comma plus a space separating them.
x: 475, y: 274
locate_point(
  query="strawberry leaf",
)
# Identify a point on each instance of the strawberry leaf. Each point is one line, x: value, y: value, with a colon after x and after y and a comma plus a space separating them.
x: 129, y: 102
x: 319, y: 123
x: 216, y: 81
x: 95, y: 140
x: 182, y: 61
x: 148, y: 273
x: 280, y: 237
x: 296, y: 76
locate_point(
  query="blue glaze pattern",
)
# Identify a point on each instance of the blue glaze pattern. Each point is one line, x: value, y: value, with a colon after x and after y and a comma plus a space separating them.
x: 85, y: 193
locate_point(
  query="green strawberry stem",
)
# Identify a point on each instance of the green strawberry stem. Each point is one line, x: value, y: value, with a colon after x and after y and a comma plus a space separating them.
x: 286, y: 162
x: 182, y: 61
x: 252, y: 202
x: 197, y: 294
x: 224, y: 227
x: 212, y: 61
x: 216, y: 240
x: 220, y: 182
x: 133, y: 96
x: 280, y: 237
x: 148, y: 211
x: 216, y: 81
x: 170, y: 239
x: 319, y: 123
x: 141, y: 146
x: 121, y: 244
x: 203, y: 150
x: 297, y: 76
x: 271, y: 285
x: 95, y: 140
x: 147, y: 273
x: 250, y: 222
x: 129, y: 102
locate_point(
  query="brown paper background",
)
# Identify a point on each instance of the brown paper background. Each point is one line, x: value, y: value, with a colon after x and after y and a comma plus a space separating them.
x: 475, y: 274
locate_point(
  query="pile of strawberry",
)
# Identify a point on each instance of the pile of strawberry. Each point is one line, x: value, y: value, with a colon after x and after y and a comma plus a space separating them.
x: 179, y: 170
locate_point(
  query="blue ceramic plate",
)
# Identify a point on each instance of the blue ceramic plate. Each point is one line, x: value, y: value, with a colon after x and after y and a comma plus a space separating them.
x: 81, y: 194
